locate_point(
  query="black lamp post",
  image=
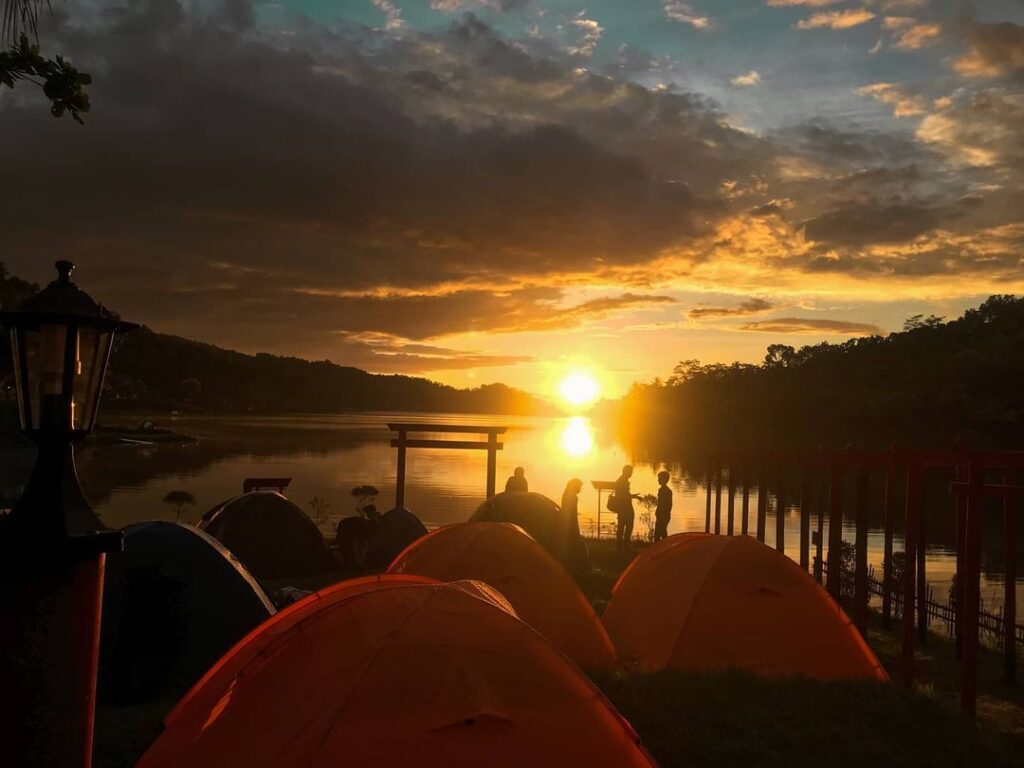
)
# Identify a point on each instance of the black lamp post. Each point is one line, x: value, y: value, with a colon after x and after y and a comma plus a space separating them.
x: 52, y: 546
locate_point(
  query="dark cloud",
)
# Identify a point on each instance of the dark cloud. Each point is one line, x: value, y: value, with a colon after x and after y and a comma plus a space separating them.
x: 326, y: 164
x: 811, y: 325
x: 386, y: 354
x: 902, y: 180
x: 381, y: 332
x: 504, y: 6
x: 851, y: 146
x: 748, y: 307
x: 981, y: 128
x: 995, y: 50
x: 856, y: 187
x: 771, y: 208
x: 588, y: 311
x: 859, y: 225
x: 432, y: 316
x: 300, y: 192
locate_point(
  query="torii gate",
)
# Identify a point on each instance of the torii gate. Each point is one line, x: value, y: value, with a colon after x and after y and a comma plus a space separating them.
x: 403, y: 442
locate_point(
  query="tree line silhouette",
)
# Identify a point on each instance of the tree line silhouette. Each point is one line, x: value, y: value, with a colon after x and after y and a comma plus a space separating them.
x: 925, y: 386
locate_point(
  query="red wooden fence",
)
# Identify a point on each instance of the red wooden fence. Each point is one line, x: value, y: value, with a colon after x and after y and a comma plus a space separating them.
x: 823, y: 477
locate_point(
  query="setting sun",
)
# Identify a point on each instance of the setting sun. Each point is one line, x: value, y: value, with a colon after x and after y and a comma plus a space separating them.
x: 579, y: 389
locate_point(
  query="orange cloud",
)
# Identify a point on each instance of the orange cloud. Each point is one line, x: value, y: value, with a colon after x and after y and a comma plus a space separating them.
x: 748, y: 307
x: 837, y: 19
x: 743, y: 81
x: 902, y: 104
x: 812, y: 325
x: 918, y: 36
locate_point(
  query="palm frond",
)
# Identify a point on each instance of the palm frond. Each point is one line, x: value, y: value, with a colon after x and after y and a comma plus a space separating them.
x: 21, y: 17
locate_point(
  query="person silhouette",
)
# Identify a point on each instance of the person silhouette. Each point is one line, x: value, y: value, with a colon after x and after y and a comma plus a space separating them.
x: 663, y: 512
x: 571, y: 505
x: 517, y: 482
x: 624, y: 508
x: 352, y: 541
x: 577, y: 558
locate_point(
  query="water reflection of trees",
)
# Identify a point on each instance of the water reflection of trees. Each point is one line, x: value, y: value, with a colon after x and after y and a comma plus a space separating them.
x: 939, y: 505
x: 104, y: 468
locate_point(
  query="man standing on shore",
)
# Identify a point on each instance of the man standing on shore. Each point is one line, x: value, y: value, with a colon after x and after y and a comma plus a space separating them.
x: 624, y: 508
x: 663, y: 512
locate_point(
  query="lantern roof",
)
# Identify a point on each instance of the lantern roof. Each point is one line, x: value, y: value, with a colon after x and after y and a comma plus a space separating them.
x: 63, y: 301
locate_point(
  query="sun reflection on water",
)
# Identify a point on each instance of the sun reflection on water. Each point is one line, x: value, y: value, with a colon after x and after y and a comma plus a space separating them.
x: 578, y: 437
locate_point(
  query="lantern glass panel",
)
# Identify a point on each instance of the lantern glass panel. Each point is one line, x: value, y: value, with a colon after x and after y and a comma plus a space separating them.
x: 93, y: 350
x: 21, y: 379
x: 59, y: 371
x: 46, y: 399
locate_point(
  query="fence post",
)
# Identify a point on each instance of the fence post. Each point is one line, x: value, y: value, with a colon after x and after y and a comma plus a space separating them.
x: 890, y: 519
x: 860, y: 574
x: 922, y: 580
x: 820, y: 546
x: 835, y: 531
x: 913, y: 500
x: 400, y: 471
x: 707, y: 483
x: 732, y: 498
x: 745, y: 511
x: 805, y: 516
x: 1010, y: 593
x: 971, y: 589
x: 780, y: 511
x: 961, y: 550
x: 762, y: 501
x: 718, y: 498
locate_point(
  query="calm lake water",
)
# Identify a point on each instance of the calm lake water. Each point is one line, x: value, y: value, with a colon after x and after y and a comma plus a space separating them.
x: 327, y: 455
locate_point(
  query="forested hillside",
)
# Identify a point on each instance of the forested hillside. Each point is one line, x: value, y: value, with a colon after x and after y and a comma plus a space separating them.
x: 926, y: 385
x: 155, y: 370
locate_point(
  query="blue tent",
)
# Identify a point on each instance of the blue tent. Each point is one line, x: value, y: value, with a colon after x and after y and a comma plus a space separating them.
x: 174, y: 601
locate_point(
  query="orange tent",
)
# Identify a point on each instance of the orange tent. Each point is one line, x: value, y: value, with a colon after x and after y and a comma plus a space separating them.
x: 510, y: 560
x: 651, y: 550
x: 719, y: 602
x: 418, y: 674
x: 218, y: 678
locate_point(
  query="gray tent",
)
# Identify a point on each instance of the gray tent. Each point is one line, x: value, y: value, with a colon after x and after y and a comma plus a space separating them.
x: 541, y: 518
x: 396, y: 530
x: 270, y: 535
x: 174, y: 601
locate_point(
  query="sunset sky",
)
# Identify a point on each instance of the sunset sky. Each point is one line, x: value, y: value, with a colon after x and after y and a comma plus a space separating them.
x: 506, y: 190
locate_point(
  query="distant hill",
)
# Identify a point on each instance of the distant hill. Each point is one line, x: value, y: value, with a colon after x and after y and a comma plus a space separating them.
x: 926, y: 385
x: 156, y: 370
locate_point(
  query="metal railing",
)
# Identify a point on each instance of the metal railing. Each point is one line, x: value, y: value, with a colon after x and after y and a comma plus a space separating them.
x: 822, y: 491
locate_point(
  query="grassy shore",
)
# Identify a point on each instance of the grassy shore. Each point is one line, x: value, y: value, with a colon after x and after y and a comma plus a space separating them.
x: 736, y: 720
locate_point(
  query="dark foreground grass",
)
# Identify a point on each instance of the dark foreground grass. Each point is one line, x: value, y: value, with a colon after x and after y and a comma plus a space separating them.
x: 733, y: 719
x: 124, y: 733
x: 729, y: 720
